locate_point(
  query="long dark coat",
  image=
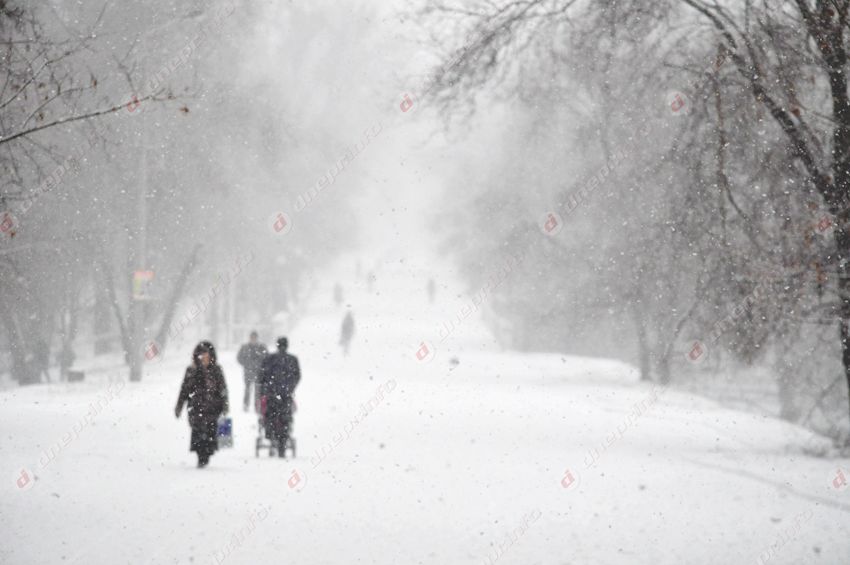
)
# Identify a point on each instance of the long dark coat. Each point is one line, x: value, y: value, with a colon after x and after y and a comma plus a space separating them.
x: 280, y: 375
x: 205, y: 391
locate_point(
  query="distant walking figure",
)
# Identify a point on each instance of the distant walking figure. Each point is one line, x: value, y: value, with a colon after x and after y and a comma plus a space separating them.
x: 347, y: 332
x: 205, y: 392
x: 251, y: 356
x: 432, y: 290
x: 280, y: 375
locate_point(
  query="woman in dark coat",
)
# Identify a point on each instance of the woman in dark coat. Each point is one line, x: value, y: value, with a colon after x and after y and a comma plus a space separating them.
x: 205, y: 392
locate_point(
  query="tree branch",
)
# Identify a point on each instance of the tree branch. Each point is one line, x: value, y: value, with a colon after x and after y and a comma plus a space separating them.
x: 72, y: 119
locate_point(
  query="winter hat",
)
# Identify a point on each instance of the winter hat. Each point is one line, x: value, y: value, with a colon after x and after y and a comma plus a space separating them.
x: 204, y: 347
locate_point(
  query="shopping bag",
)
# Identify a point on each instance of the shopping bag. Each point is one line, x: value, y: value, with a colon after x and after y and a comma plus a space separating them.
x: 225, y: 432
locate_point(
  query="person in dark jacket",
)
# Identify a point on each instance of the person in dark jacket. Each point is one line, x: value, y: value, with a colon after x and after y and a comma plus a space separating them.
x: 279, y: 376
x: 251, y: 357
x: 205, y: 392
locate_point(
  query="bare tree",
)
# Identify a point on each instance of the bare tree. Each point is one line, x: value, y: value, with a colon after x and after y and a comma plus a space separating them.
x: 768, y: 108
x: 53, y: 112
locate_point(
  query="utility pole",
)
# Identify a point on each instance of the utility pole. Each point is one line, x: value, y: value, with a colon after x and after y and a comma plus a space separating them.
x: 137, y: 306
x: 137, y: 309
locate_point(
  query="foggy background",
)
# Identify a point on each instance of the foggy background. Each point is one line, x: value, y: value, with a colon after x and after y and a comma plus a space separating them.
x: 598, y: 179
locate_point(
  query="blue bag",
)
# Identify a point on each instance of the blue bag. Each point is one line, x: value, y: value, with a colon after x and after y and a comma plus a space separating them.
x: 225, y: 432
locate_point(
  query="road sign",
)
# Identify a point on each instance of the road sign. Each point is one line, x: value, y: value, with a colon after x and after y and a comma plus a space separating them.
x: 141, y: 282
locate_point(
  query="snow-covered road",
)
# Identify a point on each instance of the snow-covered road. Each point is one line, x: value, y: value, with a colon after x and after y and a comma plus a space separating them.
x: 470, y: 455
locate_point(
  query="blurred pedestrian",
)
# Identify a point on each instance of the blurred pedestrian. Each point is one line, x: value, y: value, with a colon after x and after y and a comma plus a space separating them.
x: 204, y: 390
x: 251, y: 356
x: 432, y: 290
x: 347, y: 332
x: 280, y: 375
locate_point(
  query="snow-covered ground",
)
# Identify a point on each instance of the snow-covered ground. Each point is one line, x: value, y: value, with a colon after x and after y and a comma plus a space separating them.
x: 469, y: 455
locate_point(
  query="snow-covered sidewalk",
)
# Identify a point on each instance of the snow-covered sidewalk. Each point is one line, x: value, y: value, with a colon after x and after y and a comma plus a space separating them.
x: 469, y: 455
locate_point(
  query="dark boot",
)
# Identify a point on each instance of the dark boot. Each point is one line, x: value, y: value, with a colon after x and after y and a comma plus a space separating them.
x: 203, y: 459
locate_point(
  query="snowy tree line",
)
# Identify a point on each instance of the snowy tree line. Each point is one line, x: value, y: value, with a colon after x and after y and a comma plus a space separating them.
x: 727, y: 227
x: 127, y: 145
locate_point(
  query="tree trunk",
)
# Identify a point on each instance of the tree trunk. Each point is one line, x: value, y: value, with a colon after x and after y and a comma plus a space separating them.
x: 644, y: 355
x: 23, y: 370
x: 842, y: 242
x: 102, y: 321
x: 112, y: 295
x: 788, y: 376
x: 134, y: 357
x: 663, y: 369
x: 69, y: 332
x: 835, y: 57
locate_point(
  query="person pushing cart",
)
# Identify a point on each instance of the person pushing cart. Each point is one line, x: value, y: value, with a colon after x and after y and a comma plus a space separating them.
x: 279, y: 375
